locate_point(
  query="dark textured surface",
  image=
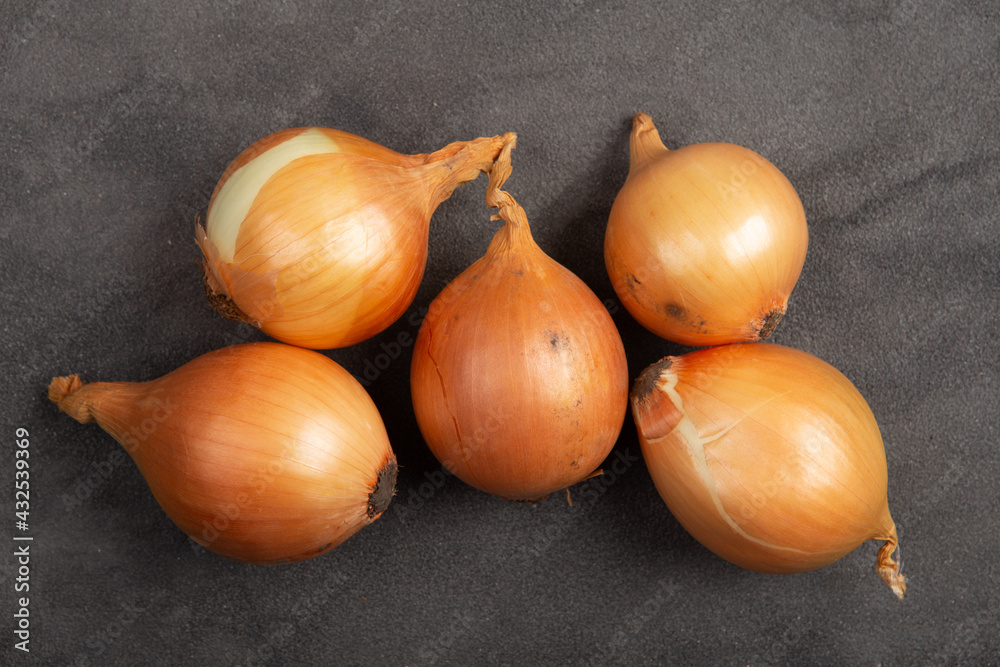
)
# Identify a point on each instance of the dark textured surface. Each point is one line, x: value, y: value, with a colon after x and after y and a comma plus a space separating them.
x: 116, y: 119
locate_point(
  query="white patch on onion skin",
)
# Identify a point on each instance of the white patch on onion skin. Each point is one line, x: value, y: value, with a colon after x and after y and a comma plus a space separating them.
x: 695, y: 442
x: 232, y: 203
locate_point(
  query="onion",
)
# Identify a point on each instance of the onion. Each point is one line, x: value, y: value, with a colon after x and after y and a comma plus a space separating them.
x: 519, y: 378
x: 768, y: 456
x: 319, y: 237
x: 261, y: 452
x: 704, y: 243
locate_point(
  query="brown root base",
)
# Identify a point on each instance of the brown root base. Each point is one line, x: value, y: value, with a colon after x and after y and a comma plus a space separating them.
x: 770, y: 323
x: 528, y: 501
x: 223, y: 305
x: 649, y: 378
x: 385, y: 489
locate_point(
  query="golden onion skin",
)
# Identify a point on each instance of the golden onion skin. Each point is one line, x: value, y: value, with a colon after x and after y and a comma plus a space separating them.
x: 768, y: 456
x: 519, y: 378
x: 318, y: 237
x: 260, y: 452
x: 705, y: 243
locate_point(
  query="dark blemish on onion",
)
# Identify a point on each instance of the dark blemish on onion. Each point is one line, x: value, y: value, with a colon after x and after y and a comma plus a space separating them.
x: 324, y: 547
x: 632, y: 284
x: 385, y: 488
x: 648, y: 379
x: 558, y: 341
x: 676, y: 311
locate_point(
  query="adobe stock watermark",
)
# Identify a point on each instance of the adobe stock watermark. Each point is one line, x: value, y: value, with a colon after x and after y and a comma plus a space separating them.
x: 910, y: 516
x: 394, y: 350
x: 723, y: 360
x: 635, y: 280
x: 584, y: 496
x: 633, y: 623
x: 462, y: 624
x: 158, y: 412
x: 928, y: 499
x: 735, y: 180
x: 436, y: 479
x: 287, y: 628
x: 22, y: 540
x: 906, y: 12
x: 784, y: 638
x: 385, y: 14
x: 966, y: 637
x: 778, y: 483
x: 224, y: 516
x: 228, y: 282
x: 101, y: 640
x: 120, y: 108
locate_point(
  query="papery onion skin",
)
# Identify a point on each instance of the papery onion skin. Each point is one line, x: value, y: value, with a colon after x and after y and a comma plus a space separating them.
x: 704, y: 243
x: 768, y: 456
x: 319, y: 237
x: 261, y: 452
x: 519, y: 378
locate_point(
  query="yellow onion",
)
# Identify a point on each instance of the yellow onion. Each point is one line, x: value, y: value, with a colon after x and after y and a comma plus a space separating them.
x: 319, y: 237
x: 261, y: 452
x: 519, y: 378
x: 704, y: 243
x: 768, y: 456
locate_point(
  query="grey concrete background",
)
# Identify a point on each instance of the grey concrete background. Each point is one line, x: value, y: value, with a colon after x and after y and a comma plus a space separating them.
x: 117, y: 118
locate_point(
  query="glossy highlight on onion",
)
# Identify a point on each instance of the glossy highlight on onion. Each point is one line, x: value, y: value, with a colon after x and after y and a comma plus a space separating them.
x: 261, y: 452
x: 768, y: 456
x: 519, y: 378
x: 318, y: 237
x: 704, y: 243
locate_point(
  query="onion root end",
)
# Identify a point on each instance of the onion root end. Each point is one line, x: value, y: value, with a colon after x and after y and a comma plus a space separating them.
x: 385, y: 489
x: 223, y: 305
x: 770, y: 322
x: 647, y: 381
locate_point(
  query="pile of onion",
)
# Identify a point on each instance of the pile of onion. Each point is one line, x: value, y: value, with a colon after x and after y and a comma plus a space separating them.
x: 519, y: 378
x: 269, y: 453
x: 768, y: 456
x: 319, y: 237
x: 704, y: 243
x: 261, y: 452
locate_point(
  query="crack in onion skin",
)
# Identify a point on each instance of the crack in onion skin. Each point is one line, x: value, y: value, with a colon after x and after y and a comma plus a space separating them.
x: 519, y: 378
x: 318, y: 237
x: 704, y: 243
x: 261, y: 452
x: 768, y: 456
